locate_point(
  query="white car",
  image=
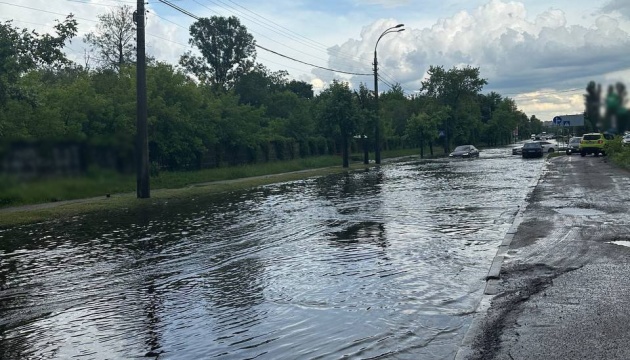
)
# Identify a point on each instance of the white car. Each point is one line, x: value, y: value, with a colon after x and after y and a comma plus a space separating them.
x: 626, y: 139
x: 518, y: 150
x: 548, y: 146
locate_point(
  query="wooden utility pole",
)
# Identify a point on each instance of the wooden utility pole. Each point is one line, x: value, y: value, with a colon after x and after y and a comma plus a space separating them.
x: 142, y: 138
x: 377, y: 126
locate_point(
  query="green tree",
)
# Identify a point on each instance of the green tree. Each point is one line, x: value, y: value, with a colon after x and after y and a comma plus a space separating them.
x: 300, y: 88
x: 290, y: 116
x: 227, y: 51
x: 394, y: 108
x: 488, y: 103
x: 22, y: 50
x: 114, y: 38
x: 592, y: 104
x: 367, y: 113
x: 256, y: 86
x: 422, y: 129
x: 504, y: 121
x: 338, y: 114
x: 451, y: 88
x: 180, y: 132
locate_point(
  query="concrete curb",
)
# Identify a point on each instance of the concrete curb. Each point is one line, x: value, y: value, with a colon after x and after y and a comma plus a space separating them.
x: 465, y: 348
x: 494, y: 274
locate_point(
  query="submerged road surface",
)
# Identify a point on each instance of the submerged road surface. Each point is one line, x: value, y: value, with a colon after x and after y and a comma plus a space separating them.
x: 387, y: 262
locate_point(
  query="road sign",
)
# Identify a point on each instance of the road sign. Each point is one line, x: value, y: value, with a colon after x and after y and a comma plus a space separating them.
x: 568, y: 120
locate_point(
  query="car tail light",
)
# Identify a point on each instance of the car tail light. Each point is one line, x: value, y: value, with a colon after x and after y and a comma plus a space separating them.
x: 600, y: 142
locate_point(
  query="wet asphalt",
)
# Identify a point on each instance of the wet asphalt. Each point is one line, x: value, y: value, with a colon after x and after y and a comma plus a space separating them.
x: 563, y: 289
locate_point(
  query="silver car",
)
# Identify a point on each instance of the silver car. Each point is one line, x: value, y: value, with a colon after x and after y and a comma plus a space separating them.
x: 574, y: 145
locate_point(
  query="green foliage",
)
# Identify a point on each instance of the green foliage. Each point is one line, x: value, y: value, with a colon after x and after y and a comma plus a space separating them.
x: 618, y: 153
x: 339, y: 115
x: 258, y: 116
x: 457, y: 89
x: 22, y: 50
x: 227, y: 51
x: 394, y: 110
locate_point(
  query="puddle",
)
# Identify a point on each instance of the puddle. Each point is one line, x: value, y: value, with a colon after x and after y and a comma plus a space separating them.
x: 622, y: 243
x: 580, y: 212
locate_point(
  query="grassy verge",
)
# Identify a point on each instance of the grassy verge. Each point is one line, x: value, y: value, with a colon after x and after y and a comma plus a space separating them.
x: 100, y: 183
x: 618, y: 153
x: 61, y: 198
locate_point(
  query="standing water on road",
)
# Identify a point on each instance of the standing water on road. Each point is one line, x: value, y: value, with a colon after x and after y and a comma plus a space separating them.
x: 384, y: 262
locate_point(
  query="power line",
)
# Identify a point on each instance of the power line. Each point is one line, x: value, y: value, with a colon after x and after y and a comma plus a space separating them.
x: 278, y: 25
x: 186, y: 12
x: 46, y: 11
x: 51, y: 12
x: 262, y: 35
x: 85, y: 3
x: 172, y: 22
x: 317, y: 66
x: 534, y: 93
x: 291, y: 34
x: 386, y: 82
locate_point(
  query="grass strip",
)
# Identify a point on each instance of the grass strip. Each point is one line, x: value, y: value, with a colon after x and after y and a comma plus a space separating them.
x: 64, y: 198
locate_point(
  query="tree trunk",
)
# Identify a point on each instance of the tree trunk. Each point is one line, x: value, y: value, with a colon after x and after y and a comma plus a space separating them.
x: 345, y: 152
x: 366, y: 156
x: 421, y: 149
x: 121, y: 59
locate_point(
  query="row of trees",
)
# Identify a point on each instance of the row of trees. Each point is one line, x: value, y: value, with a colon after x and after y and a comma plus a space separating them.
x: 606, y: 112
x: 220, y: 107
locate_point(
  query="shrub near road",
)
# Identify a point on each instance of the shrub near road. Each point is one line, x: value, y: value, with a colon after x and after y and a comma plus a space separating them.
x: 619, y: 154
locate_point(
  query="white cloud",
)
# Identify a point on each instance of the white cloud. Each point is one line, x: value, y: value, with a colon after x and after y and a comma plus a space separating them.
x: 516, y: 53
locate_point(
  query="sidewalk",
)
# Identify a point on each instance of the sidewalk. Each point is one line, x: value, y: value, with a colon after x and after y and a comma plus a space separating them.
x: 559, y: 287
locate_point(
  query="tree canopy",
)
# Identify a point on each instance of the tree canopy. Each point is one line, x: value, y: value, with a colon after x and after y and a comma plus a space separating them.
x: 253, y: 114
x: 114, y: 38
x: 22, y: 50
x: 227, y: 51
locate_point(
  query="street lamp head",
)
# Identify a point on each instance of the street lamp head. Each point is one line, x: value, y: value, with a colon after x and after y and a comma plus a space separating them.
x: 400, y: 30
x: 399, y: 25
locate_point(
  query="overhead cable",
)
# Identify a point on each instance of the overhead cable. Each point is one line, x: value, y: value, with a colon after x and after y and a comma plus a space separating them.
x: 186, y: 12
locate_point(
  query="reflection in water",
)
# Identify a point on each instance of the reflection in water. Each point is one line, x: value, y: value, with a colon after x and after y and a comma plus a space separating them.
x: 366, y: 232
x: 386, y: 262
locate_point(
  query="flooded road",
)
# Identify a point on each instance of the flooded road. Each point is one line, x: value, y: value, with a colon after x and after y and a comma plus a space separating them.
x: 388, y: 262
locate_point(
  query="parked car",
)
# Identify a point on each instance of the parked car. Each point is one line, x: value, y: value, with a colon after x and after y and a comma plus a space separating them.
x: 574, y: 145
x: 626, y: 139
x: 593, y: 143
x: 532, y: 149
x: 548, y: 146
x: 465, y: 151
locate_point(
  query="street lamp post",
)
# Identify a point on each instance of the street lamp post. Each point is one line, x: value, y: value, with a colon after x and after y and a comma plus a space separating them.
x: 377, y: 134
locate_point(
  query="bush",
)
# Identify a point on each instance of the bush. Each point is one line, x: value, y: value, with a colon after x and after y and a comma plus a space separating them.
x: 618, y: 153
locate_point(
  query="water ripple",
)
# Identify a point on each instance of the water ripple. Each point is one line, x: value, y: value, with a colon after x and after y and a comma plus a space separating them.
x: 384, y: 263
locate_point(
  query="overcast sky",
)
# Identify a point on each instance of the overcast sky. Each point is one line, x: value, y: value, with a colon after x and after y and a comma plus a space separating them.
x: 542, y: 53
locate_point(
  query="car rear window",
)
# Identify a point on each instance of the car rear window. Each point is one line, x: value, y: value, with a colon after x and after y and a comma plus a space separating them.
x: 592, y: 137
x: 531, y: 145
